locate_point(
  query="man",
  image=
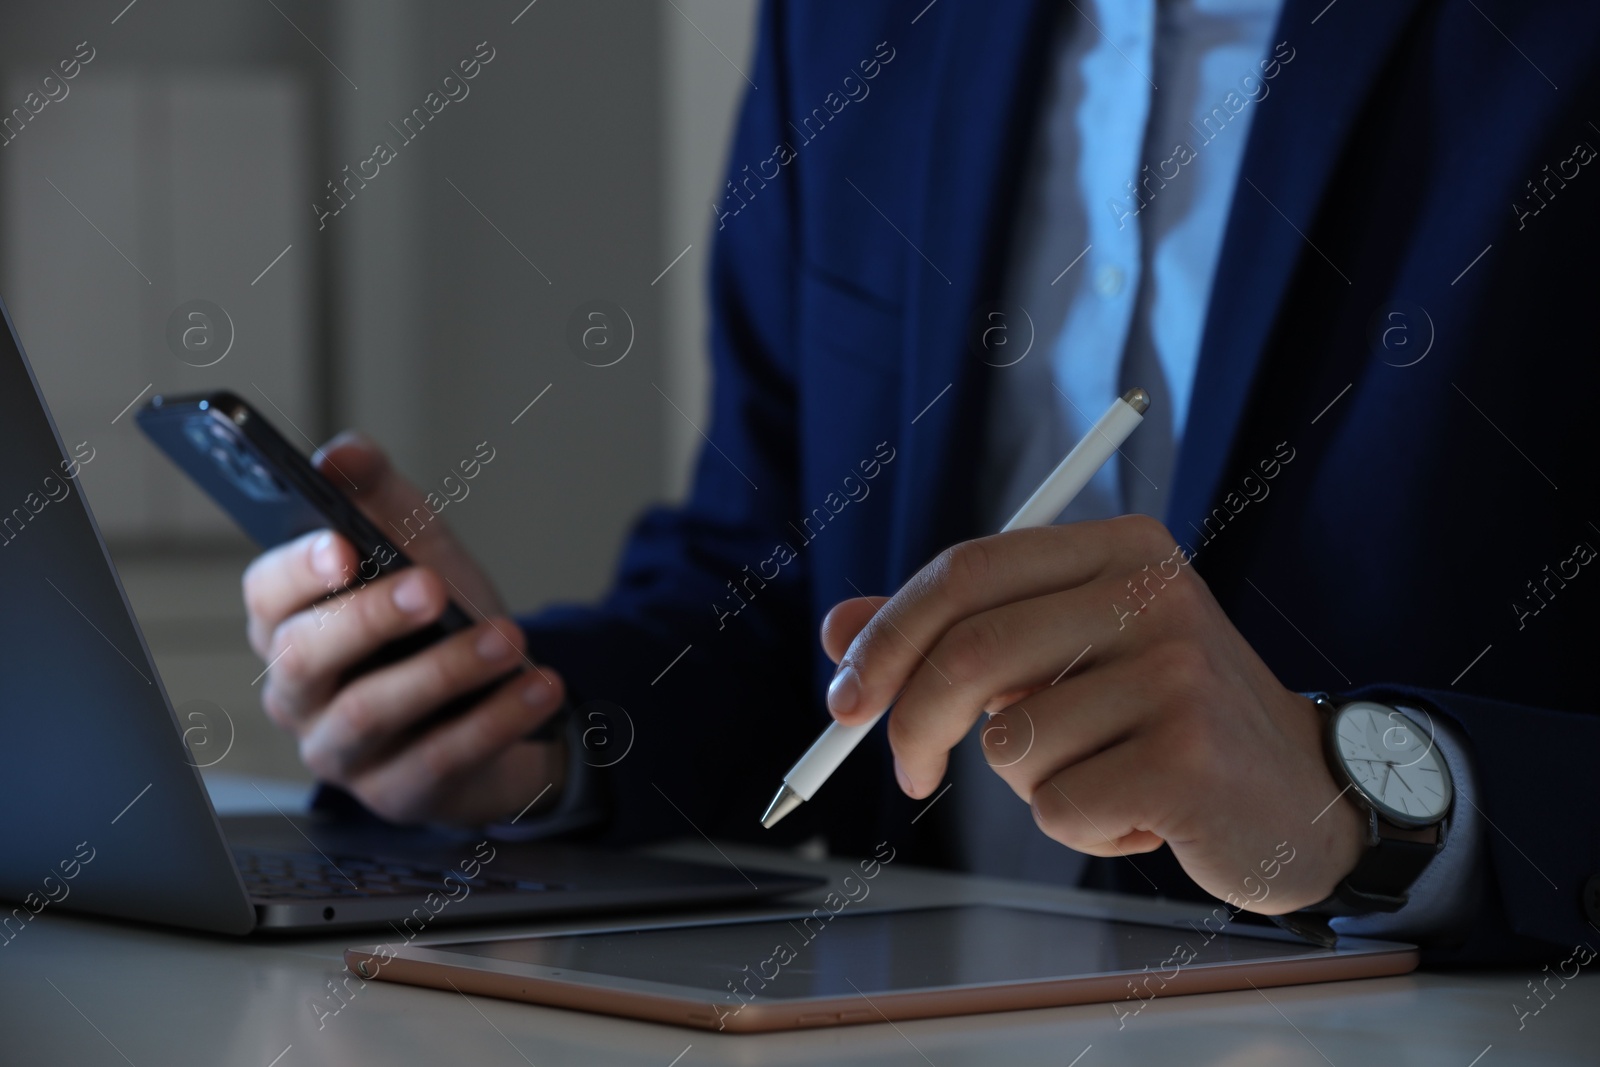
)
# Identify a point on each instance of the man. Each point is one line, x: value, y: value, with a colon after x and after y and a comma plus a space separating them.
x: 1345, y: 249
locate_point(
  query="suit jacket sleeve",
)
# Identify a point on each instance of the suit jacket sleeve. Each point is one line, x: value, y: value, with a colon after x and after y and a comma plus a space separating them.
x: 703, y: 641
x: 1535, y: 802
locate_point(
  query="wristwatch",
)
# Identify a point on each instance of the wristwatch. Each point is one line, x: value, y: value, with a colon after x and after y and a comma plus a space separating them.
x: 1386, y: 760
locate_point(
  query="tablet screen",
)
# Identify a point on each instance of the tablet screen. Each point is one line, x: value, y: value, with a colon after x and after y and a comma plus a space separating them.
x: 871, y: 952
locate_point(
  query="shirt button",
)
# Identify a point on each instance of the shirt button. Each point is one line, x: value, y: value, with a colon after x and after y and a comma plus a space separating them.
x: 1108, y: 281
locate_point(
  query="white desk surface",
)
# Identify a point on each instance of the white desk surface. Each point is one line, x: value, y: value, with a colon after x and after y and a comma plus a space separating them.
x: 87, y: 992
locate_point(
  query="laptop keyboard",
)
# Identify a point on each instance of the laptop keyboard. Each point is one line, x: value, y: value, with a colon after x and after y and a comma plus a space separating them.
x: 275, y: 875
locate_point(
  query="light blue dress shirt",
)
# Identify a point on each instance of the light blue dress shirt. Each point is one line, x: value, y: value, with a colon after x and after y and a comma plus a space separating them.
x: 1120, y: 225
x: 1132, y: 172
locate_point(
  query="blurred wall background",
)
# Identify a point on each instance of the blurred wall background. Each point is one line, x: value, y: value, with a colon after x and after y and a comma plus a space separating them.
x: 189, y: 157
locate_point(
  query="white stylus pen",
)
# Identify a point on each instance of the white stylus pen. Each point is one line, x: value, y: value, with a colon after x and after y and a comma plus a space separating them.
x: 1047, y: 501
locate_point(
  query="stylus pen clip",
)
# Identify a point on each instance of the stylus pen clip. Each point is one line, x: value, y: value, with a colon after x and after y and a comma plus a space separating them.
x: 1102, y: 441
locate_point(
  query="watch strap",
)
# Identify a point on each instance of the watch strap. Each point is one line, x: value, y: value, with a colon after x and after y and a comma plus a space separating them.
x: 1385, y: 871
x: 1379, y: 883
x: 1393, y: 859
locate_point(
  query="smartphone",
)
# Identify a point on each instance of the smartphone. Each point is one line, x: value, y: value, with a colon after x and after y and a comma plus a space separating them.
x: 275, y: 495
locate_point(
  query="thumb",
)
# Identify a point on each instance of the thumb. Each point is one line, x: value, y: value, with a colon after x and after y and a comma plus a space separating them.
x: 360, y: 469
x: 353, y: 462
x: 400, y: 511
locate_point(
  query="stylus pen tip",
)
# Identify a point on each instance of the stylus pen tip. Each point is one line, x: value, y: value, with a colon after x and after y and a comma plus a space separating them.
x: 782, y: 804
x: 1137, y: 399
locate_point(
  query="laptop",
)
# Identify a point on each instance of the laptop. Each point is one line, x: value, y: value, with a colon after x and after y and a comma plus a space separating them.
x: 106, y: 812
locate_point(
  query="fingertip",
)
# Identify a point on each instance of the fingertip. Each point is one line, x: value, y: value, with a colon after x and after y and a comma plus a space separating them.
x: 419, y: 592
x: 542, y: 690
x: 825, y: 638
x: 834, y: 642
x: 844, y: 693
x: 353, y: 442
x: 354, y: 456
x: 905, y: 781
x: 508, y: 628
x: 331, y: 557
x: 845, y: 621
x: 497, y: 641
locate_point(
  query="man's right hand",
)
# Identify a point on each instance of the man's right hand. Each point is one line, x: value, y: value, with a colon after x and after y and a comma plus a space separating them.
x: 359, y: 733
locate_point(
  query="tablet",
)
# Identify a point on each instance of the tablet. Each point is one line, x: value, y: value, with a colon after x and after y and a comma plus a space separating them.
x: 822, y: 969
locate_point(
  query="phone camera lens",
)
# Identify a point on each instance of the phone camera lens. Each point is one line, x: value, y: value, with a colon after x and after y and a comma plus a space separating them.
x: 230, y: 455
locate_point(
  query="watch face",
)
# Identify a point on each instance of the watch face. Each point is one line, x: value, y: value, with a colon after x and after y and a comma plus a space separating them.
x: 1393, y: 762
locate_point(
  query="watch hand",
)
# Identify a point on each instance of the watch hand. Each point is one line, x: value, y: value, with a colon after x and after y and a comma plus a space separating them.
x: 1360, y: 746
x: 1388, y: 769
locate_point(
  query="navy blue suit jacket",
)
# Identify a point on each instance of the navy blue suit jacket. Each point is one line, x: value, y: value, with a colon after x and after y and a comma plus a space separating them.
x: 860, y: 238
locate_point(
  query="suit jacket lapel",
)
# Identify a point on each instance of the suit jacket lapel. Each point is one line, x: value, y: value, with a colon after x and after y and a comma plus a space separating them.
x: 1295, y: 143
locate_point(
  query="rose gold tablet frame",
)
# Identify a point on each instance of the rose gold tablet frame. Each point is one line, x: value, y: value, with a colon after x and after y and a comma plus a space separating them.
x: 689, y: 1006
